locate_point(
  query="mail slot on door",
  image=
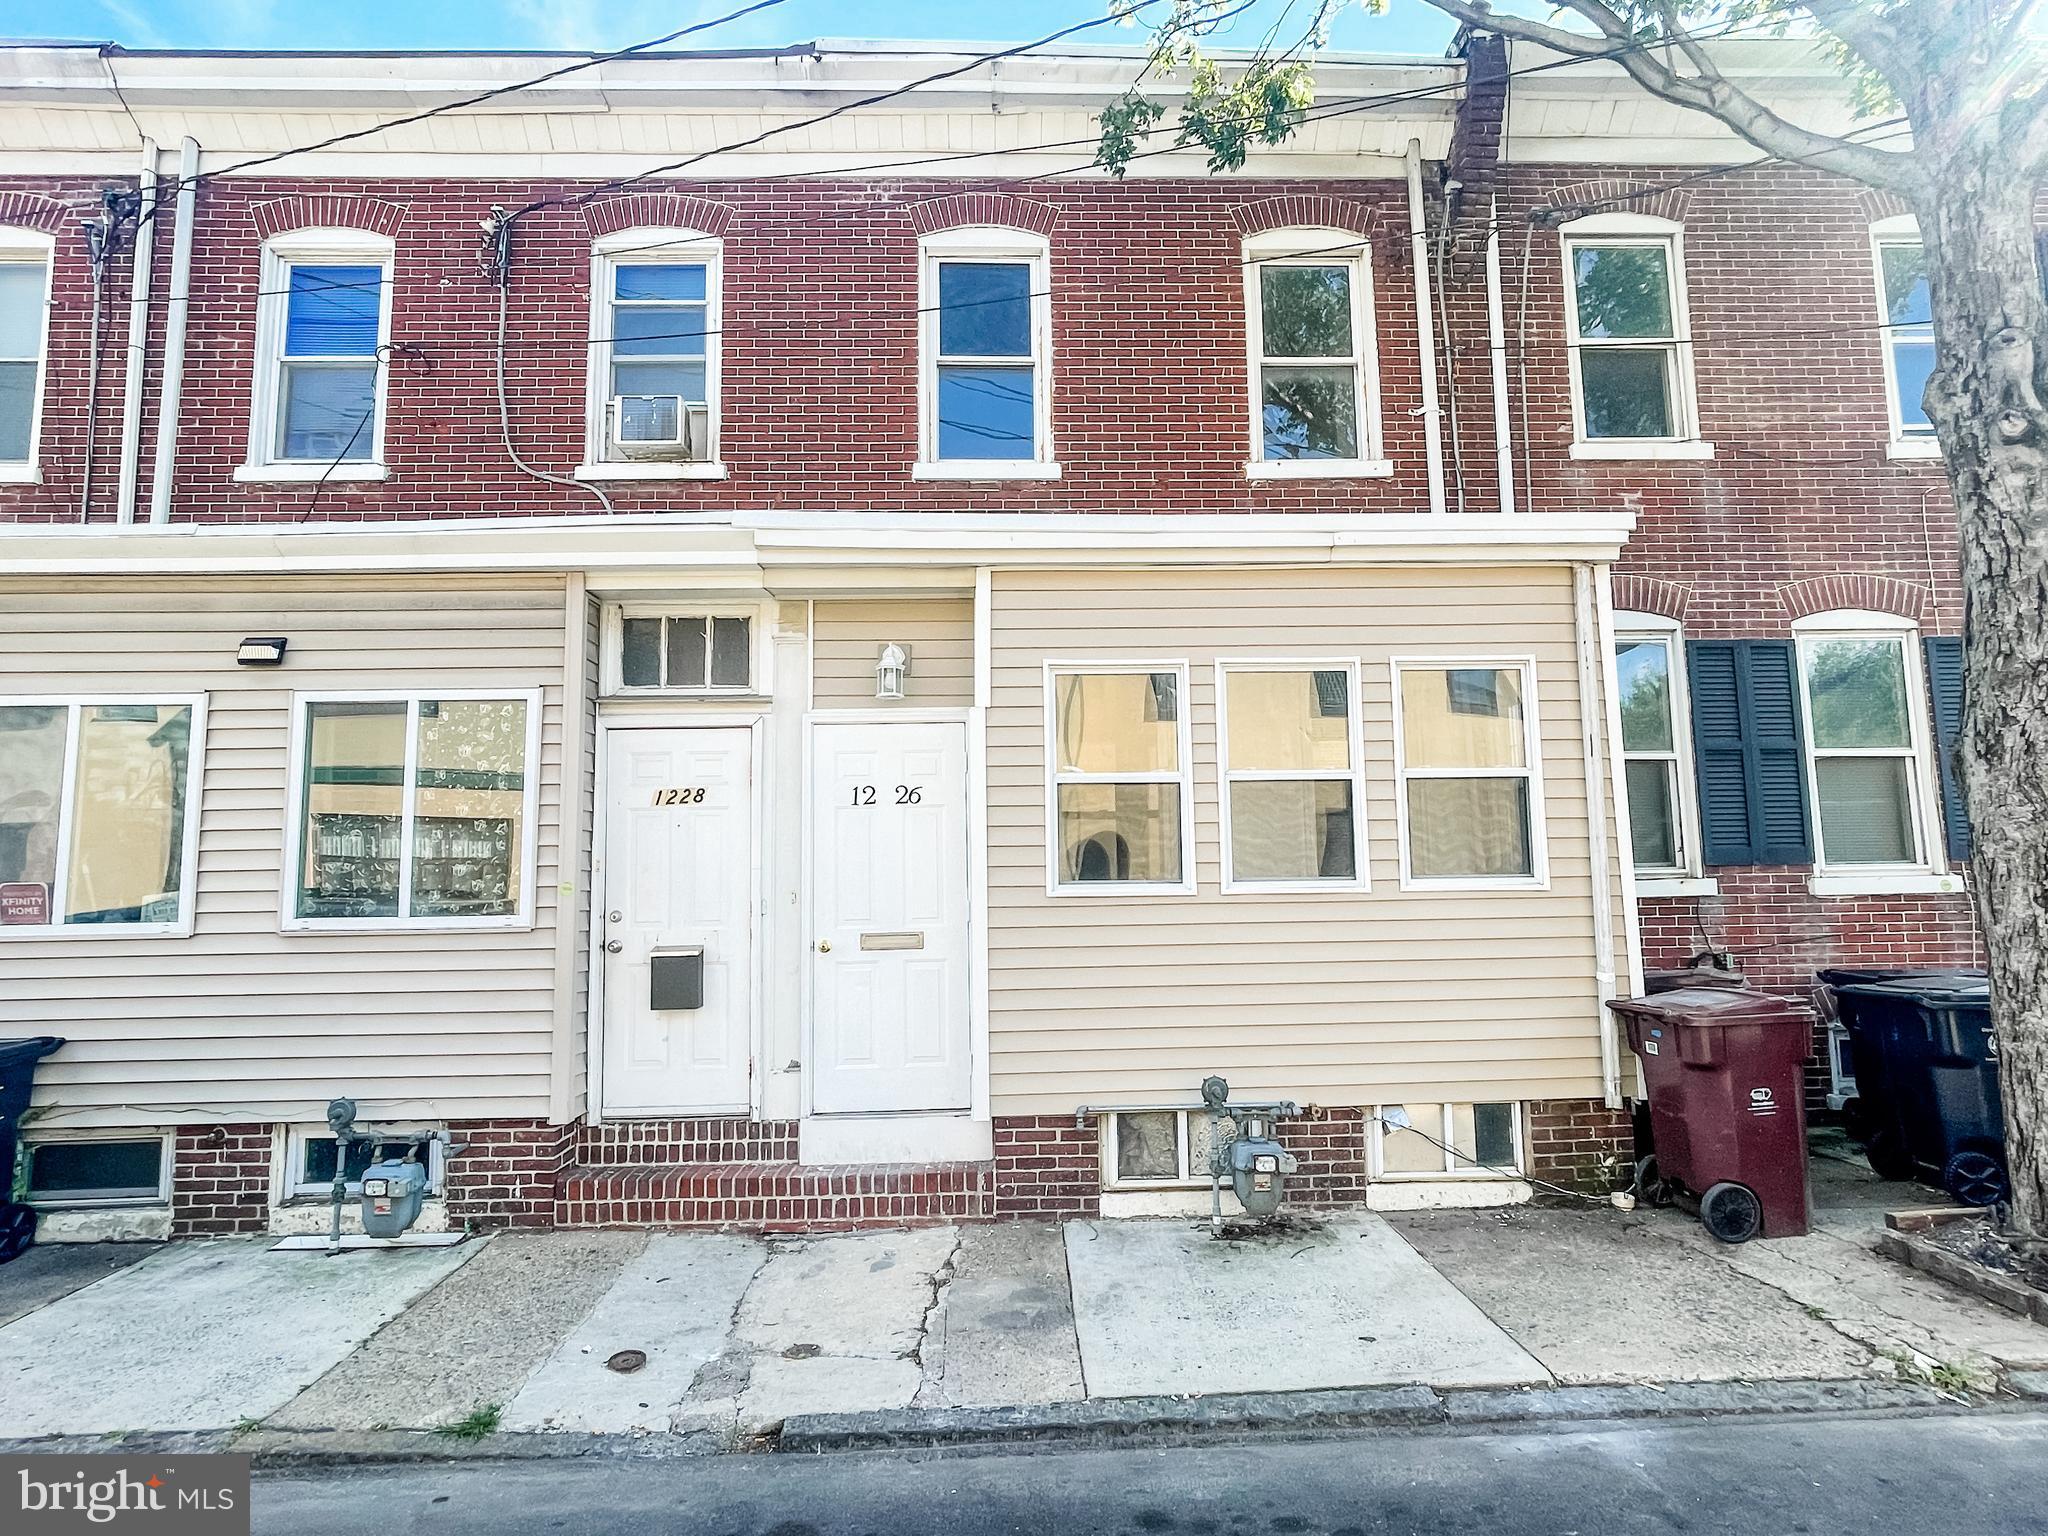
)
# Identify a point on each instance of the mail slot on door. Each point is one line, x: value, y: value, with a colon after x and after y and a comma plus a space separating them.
x: 675, y: 978
x: 892, y: 941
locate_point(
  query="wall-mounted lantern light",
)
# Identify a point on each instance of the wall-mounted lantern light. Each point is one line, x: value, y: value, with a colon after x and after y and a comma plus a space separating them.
x: 890, y: 671
x: 261, y: 651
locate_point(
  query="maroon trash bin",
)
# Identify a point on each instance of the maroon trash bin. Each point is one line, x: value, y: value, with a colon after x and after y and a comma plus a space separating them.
x: 1724, y: 1073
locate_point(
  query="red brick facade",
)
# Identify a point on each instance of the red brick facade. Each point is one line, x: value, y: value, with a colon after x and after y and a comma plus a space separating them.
x: 220, y: 1180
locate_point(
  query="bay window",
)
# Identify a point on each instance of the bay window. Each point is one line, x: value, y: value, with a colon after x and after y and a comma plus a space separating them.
x: 98, y: 814
x: 1292, y: 797
x: 1314, y: 385
x: 985, y: 356
x: 414, y: 808
x: 323, y: 321
x: 1629, y: 343
x: 1470, y: 797
x: 1121, y: 804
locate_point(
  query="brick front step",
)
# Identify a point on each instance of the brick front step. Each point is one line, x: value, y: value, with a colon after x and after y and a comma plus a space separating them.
x: 774, y: 1197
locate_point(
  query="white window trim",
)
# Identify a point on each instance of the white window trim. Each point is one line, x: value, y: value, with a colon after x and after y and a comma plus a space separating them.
x: 32, y: 247
x: 1452, y: 1169
x: 1114, y: 889
x: 1929, y: 870
x: 67, y: 815
x: 312, y: 247
x: 1613, y: 229
x: 294, y: 835
x: 40, y: 1138
x: 1902, y: 229
x: 1354, y: 733
x: 984, y: 243
x: 1687, y: 871
x: 298, y: 1137
x: 653, y: 246
x: 760, y: 650
x: 1188, y: 1178
x: 1538, y: 878
x: 1325, y: 248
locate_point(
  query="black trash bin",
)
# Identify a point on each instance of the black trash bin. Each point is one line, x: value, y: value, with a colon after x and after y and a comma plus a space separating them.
x: 18, y: 1060
x: 1927, y: 1071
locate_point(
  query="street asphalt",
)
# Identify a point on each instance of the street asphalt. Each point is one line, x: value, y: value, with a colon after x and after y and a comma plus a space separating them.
x: 1958, y: 1474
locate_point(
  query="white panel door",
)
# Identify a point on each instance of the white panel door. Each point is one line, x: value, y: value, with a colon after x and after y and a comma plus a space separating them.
x: 679, y: 859
x: 889, y: 929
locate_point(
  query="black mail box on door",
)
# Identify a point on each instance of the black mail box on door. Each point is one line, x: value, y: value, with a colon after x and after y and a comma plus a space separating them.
x: 675, y: 979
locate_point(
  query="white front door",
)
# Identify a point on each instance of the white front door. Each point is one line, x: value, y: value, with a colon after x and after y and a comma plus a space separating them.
x: 678, y: 878
x: 889, y: 928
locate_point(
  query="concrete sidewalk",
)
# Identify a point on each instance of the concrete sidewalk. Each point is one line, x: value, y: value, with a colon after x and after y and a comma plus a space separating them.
x: 528, y: 1333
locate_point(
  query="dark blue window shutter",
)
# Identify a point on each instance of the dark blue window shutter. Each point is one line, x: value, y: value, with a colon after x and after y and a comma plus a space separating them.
x: 1747, y: 747
x: 1945, y: 690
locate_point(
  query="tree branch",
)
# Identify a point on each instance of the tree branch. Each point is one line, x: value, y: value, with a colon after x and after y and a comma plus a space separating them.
x: 1709, y: 92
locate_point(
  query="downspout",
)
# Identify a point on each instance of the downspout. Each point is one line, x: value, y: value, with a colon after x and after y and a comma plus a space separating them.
x: 1425, y: 330
x: 138, y: 332
x: 1593, y: 715
x: 171, y: 395
x: 1497, y: 351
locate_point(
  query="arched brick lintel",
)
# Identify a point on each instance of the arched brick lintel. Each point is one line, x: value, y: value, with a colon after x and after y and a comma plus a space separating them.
x: 1647, y: 594
x: 1610, y: 194
x: 656, y: 210
x: 999, y: 210
x: 282, y: 215
x: 1878, y: 594
x: 31, y: 210
x: 1306, y: 210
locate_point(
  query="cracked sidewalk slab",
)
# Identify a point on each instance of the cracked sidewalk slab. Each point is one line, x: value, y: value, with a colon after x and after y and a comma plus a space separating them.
x: 1002, y: 1331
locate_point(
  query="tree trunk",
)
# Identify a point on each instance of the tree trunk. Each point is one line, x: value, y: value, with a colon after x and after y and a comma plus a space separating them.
x: 1991, y: 342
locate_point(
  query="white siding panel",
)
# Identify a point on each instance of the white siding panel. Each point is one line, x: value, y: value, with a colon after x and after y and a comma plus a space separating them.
x: 1339, y: 998
x: 241, y: 1021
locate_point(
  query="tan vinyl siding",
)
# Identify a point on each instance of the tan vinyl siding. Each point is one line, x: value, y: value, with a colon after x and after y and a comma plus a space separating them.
x: 1337, y: 997
x: 578, y: 1065
x: 847, y: 637
x: 241, y: 1021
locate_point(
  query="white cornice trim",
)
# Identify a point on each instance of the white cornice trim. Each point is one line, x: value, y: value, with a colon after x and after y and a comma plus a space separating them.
x: 774, y: 540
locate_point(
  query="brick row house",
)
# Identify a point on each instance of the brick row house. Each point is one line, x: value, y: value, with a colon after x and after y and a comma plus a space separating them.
x: 755, y: 663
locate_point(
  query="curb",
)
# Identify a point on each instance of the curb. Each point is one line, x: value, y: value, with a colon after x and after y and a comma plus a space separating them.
x: 1987, y: 1285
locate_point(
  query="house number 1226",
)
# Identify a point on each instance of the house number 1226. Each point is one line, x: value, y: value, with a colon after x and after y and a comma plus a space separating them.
x: 906, y: 794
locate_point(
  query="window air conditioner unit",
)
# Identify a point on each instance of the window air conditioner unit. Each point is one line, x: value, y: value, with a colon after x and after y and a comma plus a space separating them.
x: 658, y: 427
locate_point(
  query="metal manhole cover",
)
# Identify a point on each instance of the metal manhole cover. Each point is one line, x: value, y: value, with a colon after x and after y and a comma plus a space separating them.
x: 626, y: 1361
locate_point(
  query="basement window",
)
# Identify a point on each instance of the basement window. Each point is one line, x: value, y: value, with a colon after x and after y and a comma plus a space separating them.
x: 1156, y: 1148
x: 312, y: 1162
x: 1448, y: 1141
x: 114, y: 1170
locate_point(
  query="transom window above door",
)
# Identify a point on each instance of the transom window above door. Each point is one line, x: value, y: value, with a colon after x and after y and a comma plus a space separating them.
x: 685, y: 653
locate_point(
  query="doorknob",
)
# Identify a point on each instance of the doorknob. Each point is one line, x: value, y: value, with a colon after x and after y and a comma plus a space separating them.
x: 612, y: 946
x: 824, y: 946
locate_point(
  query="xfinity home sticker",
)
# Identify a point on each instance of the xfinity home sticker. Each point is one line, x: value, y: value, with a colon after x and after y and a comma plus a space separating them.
x: 156, y: 1495
x: 24, y: 901
x: 1762, y: 1102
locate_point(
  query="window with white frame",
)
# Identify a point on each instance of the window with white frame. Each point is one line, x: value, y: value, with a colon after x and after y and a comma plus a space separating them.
x: 1314, y: 385
x: 687, y: 652
x: 25, y: 260
x: 985, y: 354
x: 1907, y: 317
x: 1465, y: 748
x: 98, y: 813
x: 1157, y: 1148
x: 111, y: 1168
x: 415, y: 808
x: 1866, y: 751
x: 311, y: 1157
x: 1292, y: 798
x: 323, y: 322
x: 1439, y: 1141
x: 1649, y: 669
x: 655, y: 353
x: 1627, y: 331
x: 1121, y: 805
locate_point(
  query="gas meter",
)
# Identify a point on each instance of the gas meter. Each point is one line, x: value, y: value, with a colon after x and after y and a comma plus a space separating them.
x: 1256, y: 1165
x: 392, y: 1191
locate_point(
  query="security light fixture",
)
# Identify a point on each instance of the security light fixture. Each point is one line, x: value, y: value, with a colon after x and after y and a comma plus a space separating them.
x: 261, y: 651
x: 890, y: 670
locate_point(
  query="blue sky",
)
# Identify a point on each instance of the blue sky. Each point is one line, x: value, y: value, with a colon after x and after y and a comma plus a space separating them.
x: 1410, y: 26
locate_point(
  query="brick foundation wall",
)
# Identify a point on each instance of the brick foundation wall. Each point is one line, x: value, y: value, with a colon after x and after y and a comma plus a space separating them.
x: 1334, y: 1156
x: 704, y: 1139
x: 1047, y: 1167
x: 507, y: 1173
x: 220, y: 1180
x: 1580, y: 1144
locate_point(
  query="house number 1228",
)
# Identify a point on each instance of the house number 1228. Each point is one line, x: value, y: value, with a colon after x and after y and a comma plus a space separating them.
x: 694, y: 795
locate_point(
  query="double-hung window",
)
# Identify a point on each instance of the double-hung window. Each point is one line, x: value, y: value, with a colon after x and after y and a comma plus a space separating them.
x: 1470, y: 796
x: 1292, y: 798
x: 655, y: 356
x: 1649, y: 666
x: 24, y: 326
x: 1120, y: 810
x: 985, y: 356
x: 1314, y: 384
x: 98, y: 813
x: 1865, y: 742
x: 414, y: 808
x: 1629, y: 340
x: 323, y: 322
x: 1905, y: 313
